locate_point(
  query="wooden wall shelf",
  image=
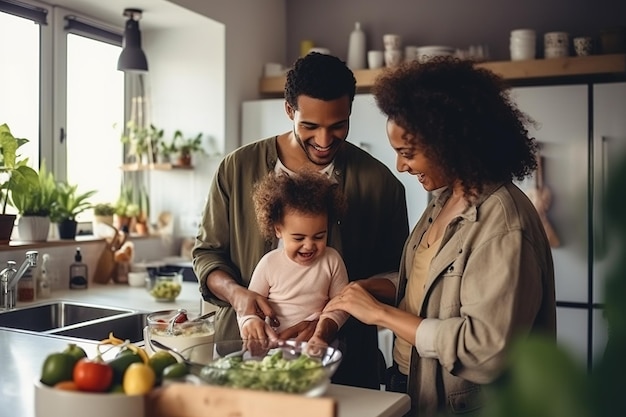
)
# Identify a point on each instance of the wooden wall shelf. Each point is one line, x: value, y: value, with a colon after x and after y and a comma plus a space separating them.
x: 154, y: 167
x: 537, y: 71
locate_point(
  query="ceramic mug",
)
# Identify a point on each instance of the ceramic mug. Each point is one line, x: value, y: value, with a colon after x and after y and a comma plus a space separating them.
x: 392, y: 41
x: 583, y: 45
x: 375, y: 59
x: 393, y: 58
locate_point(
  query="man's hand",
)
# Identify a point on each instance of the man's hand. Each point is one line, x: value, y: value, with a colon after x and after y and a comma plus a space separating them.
x: 301, y: 331
x: 244, y: 301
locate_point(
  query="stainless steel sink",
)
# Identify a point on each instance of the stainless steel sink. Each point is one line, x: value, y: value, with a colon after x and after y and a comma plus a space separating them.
x: 125, y: 327
x: 56, y: 314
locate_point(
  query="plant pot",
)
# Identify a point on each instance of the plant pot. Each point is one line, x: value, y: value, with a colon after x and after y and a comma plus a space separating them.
x: 67, y: 229
x: 99, y: 226
x: 33, y: 228
x: 141, y: 228
x: 122, y: 223
x: 6, y: 227
x: 184, y: 160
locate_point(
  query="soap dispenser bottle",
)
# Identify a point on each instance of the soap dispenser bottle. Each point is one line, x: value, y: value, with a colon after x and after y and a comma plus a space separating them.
x: 356, y: 48
x: 78, y: 272
x: 44, y: 287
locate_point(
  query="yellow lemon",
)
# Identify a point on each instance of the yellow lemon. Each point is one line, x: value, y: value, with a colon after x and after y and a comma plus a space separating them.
x: 139, y: 379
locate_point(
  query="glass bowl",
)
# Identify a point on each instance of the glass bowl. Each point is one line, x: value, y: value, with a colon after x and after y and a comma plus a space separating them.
x: 176, y: 330
x: 282, y: 366
x: 165, y: 286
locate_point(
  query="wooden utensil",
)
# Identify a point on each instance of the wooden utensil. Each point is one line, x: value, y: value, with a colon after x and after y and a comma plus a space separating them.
x: 105, y: 267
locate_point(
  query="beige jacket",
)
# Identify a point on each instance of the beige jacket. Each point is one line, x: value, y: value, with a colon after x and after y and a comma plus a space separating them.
x: 491, y: 281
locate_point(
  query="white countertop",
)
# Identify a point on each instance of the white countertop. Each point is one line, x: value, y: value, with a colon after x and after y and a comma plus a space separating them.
x: 352, y: 402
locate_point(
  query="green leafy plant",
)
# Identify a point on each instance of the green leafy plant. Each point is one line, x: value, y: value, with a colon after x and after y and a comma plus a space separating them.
x: 69, y: 203
x: 15, y: 174
x: 103, y: 209
x: 35, y: 199
x: 188, y: 145
x: 142, y: 141
x: 166, y: 150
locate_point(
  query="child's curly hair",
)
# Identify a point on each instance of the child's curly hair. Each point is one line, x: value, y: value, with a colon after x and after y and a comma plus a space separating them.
x: 307, y: 192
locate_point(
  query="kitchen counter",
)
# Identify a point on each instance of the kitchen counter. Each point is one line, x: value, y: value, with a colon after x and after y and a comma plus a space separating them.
x: 22, y: 354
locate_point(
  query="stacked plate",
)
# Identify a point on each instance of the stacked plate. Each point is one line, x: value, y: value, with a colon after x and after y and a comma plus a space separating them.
x: 424, y: 53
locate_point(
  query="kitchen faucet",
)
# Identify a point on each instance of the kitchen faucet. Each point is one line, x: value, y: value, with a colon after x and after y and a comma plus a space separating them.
x: 9, y: 277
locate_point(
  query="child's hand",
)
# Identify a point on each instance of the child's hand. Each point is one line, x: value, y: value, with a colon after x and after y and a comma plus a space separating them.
x: 255, y: 328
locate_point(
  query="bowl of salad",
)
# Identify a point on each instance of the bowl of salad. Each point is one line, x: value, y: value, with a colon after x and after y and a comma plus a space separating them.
x: 280, y: 366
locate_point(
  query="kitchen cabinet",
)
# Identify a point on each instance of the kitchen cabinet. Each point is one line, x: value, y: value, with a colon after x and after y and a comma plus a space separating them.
x: 582, y: 132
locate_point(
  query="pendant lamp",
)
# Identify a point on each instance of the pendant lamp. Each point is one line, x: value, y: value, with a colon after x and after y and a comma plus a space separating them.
x: 132, y: 58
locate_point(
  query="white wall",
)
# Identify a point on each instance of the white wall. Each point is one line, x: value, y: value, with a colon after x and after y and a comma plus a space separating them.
x: 187, y: 78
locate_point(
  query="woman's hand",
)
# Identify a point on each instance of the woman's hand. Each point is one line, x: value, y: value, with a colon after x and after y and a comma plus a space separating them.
x: 356, y: 301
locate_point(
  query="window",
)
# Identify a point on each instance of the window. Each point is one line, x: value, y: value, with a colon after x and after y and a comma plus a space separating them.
x: 19, y: 80
x: 74, y: 127
x: 95, y: 117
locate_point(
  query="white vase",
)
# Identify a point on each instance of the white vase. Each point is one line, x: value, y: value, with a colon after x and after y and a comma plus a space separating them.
x: 356, y: 48
x: 33, y: 228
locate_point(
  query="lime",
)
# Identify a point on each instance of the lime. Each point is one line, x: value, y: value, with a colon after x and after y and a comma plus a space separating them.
x: 176, y: 370
x: 161, y: 360
x: 57, y: 367
x: 121, y: 362
x: 76, y: 351
x: 139, y: 379
x: 117, y: 389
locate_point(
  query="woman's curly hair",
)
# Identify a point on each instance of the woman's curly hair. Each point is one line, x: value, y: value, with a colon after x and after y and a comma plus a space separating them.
x: 307, y: 192
x: 461, y: 117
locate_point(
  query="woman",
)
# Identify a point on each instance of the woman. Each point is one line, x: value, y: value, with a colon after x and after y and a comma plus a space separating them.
x: 476, y: 271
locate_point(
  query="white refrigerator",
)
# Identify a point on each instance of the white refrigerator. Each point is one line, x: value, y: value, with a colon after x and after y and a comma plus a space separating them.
x: 582, y: 132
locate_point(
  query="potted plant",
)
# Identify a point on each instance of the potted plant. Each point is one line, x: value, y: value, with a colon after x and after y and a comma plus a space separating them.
x: 102, y: 215
x: 143, y: 142
x: 186, y: 147
x: 143, y: 213
x: 166, y: 150
x: 69, y: 204
x: 13, y: 172
x: 33, y: 204
x: 125, y: 210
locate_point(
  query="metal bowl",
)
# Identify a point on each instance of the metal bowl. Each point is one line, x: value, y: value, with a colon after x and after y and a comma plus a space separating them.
x: 281, y: 366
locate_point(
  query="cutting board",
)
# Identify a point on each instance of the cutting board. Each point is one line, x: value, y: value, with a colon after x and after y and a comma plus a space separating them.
x: 187, y: 400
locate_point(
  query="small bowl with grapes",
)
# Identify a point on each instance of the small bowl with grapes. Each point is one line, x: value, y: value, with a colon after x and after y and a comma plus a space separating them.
x: 164, y: 286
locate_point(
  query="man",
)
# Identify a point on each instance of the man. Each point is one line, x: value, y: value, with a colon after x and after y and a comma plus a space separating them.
x: 370, y: 237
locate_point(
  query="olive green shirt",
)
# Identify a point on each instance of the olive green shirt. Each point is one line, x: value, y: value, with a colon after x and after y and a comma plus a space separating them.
x: 369, y: 237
